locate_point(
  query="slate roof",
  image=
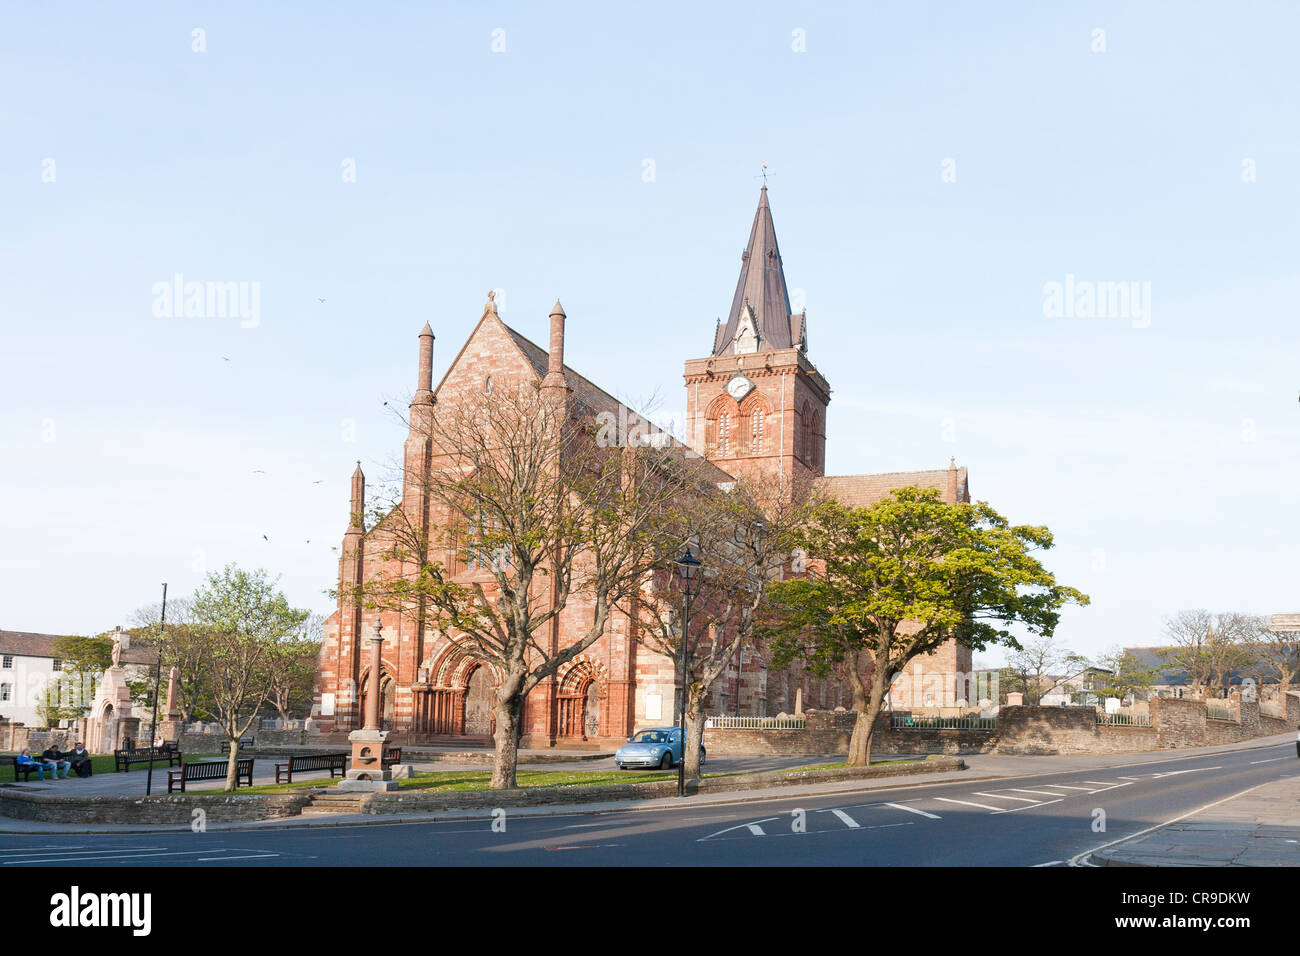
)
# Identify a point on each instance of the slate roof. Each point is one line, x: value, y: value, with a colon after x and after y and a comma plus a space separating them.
x: 30, y: 644
x: 1159, y: 659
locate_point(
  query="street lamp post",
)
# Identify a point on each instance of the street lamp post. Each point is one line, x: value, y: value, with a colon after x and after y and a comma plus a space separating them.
x: 157, y: 679
x: 688, y: 567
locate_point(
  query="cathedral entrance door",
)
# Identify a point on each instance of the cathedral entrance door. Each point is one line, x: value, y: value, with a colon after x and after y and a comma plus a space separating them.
x: 591, y: 712
x: 478, y: 704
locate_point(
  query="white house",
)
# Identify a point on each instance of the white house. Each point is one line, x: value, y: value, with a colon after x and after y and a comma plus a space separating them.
x: 28, y: 662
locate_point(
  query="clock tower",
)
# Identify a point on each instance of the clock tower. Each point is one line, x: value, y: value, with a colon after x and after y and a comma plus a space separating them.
x: 757, y: 405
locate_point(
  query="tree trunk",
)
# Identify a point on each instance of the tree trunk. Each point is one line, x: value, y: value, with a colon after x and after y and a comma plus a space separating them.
x: 506, y: 741
x: 232, y: 766
x: 694, y: 729
x: 867, y: 706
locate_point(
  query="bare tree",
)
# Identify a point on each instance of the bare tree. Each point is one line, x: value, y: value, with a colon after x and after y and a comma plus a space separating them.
x: 742, y: 537
x: 520, y: 510
x: 1208, y: 647
x: 183, y: 646
x: 1037, y: 659
x: 1275, y: 653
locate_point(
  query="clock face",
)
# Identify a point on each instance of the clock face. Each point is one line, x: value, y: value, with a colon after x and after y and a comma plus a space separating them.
x: 739, y: 387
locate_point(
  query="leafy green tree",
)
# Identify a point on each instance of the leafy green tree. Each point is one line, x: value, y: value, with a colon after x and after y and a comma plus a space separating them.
x: 183, y: 645
x: 84, y: 659
x: 900, y: 578
x: 1127, y: 675
x: 245, y: 620
x: 60, y: 699
x: 294, y: 674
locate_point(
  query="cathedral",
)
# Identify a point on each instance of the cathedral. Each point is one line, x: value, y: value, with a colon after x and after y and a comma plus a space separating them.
x: 755, y: 406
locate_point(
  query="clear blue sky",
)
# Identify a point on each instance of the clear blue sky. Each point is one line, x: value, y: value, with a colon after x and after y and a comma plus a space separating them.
x: 1165, y: 458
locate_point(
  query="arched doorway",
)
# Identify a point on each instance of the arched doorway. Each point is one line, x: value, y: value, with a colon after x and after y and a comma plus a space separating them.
x: 578, y: 702
x: 387, y: 702
x: 478, y: 703
x: 591, y: 711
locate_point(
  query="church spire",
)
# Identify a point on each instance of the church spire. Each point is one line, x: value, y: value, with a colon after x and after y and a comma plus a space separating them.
x: 760, y: 316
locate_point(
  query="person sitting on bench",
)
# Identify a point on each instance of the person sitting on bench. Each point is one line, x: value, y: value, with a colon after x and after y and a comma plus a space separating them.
x: 80, y: 760
x: 54, y: 759
x: 27, y: 761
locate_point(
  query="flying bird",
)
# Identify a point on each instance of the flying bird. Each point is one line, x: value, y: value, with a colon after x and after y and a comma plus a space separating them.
x: 258, y: 471
x: 224, y: 359
x: 265, y: 538
x: 318, y: 482
x: 320, y: 300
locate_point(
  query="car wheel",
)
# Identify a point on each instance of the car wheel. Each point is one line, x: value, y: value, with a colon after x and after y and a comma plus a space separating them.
x: 621, y: 766
x: 667, y: 761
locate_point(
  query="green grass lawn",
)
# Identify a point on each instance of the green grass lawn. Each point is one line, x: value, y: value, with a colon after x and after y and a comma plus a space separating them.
x: 100, y: 763
x: 457, y: 781
x: 843, y: 766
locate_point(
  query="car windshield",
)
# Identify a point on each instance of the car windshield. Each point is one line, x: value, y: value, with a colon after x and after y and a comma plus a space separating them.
x: 650, y: 737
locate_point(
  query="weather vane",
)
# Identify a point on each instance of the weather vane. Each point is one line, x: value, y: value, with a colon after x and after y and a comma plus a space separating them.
x: 764, y: 173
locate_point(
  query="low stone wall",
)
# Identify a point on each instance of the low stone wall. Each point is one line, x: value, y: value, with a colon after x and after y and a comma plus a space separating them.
x: 415, y: 802
x: 165, y: 809
x: 1176, y: 723
x: 264, y: 739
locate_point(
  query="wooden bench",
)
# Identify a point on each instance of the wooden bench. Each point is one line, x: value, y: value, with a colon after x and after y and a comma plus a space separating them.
x: 210, y: 770
x: 122, y: 759
x: 284, y: 771
x: 243, y: 742
x: 26, y: 771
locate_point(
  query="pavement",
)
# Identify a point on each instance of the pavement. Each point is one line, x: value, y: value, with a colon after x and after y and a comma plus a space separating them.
x: 131, y: 783
x: 1260, y: 827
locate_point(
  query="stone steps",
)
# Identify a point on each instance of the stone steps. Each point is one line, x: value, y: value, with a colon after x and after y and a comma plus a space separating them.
x: 333, y: 802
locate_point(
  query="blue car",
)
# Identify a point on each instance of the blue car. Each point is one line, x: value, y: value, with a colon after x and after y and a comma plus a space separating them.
x: 656, y: 747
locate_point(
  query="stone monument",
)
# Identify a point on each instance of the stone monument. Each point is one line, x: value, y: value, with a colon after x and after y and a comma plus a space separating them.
x: 368, y: 773
x: 111, y: 719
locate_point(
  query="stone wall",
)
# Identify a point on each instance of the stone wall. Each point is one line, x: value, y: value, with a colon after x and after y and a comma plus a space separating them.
x: 166, y: 809
x: 1176, y: 722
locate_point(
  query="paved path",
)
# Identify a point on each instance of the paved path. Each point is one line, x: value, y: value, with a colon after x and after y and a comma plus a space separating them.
x: 1258, y: 828
x: 132, y: 783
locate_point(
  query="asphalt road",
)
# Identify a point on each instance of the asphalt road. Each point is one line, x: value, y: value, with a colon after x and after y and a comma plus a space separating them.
x: 1039, y: 820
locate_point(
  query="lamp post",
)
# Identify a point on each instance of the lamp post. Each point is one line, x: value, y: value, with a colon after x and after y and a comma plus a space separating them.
x: 157, y: 679
x: 688, y: 567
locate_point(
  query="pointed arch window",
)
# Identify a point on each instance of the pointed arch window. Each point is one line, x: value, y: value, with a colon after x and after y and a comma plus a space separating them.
x: 756, y: 431
x: 724, y: 433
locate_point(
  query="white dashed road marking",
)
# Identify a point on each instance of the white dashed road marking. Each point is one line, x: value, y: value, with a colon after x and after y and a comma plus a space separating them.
x: 755, y: 829
x: 982, y: 806
x: 899, y: 806
x: 1003, y: 796
x: 848, y: 820
x: 1043, y: 804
